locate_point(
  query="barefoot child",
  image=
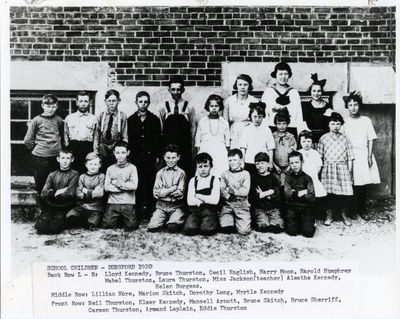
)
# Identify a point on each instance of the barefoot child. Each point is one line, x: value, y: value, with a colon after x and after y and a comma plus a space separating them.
x: 120, y: 183
x: 337, y: 158
x: 43, y: 138
x: 169, y: 189
x: 264, y: 197
x: 80, y: 131
x: 235, y: 187
x: 203, y: 197
x: 59, y: 195
x: 300, y: 197
x: 212, y: 135
x: 89, y: 193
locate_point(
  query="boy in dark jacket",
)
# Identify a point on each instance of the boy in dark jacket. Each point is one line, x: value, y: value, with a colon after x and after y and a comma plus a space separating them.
x: 59, y: 195
x: 300, y: 197
x: 265, y: 196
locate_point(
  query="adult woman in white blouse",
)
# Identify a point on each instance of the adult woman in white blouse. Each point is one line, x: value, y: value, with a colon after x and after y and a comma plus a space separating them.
x: 236, y: 110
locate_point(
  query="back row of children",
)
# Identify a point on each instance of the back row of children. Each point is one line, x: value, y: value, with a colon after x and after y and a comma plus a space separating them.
x: 84, y: 133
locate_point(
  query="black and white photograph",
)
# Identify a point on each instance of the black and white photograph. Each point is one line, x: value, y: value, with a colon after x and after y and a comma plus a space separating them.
x: 199, y: 133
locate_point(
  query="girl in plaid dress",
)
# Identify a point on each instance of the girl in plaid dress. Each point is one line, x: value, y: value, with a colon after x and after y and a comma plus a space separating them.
x: 336, y: 176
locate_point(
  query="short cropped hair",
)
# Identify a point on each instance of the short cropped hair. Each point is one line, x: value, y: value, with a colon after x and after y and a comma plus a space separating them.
x: 214, y: 97
x: 336, y: 117
x: 295, y: 154
x: 246, y: 78
x: 121, y: 144
x: 91, y: 156
x: 235, y: 151
x: 173, y: 148
x: 84, y: 93
x: 203, y: 158
x: 177, y: 79
x: 353, y: 96
x: 112, y: 92
x: 282, y: 116
x: 261, y: 157
x: 49, y: 99
x: 66, y: 150
x: 142, y: 93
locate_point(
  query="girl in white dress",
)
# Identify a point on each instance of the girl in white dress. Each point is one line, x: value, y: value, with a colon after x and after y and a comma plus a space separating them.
x: 312, y: 162
x: 360, y: 131
x: 212, y: 135
x: 236, y: 110
x: 282, y: 95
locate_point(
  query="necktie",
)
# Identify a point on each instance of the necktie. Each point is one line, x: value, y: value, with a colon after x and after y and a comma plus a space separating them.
x: 110, y: 123
x: 176, y: 108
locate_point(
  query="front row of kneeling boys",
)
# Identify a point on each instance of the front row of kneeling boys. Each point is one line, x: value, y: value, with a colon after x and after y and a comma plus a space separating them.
x: 212, y: 204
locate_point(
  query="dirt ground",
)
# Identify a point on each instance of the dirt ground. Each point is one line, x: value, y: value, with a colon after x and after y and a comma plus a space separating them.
x: 338, y: 242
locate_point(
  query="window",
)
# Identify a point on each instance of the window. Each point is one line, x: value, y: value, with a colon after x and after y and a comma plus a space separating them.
x: 25, y: 105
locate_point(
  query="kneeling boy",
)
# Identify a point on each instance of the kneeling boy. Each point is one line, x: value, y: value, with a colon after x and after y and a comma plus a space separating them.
x: 121, y: 183
x: 202, y: 199
x: 59, y: 195
x: 169, y: 189
x: 90, y: 191
x: 300, y: 197
x: 265, y: 197
x: 235, y: 187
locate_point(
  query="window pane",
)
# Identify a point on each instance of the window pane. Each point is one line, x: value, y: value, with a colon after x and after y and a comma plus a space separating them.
x: 63, y: 109
x: 19, y: 110
x: 36, y: 108
x: 18, y: 130
x: 21, y: 160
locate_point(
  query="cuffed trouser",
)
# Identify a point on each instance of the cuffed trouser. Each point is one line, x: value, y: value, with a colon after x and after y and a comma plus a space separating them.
x: 201, y: 220
x: 300, y: 221
x: 85, y: 216
x: 167, y: 213
x: 126, y: 212
x: 236, y: 213
x: 51, y: 221
x: 268, y: 220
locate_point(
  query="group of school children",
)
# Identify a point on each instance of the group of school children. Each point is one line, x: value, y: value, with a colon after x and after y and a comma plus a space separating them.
x: 103, y: 171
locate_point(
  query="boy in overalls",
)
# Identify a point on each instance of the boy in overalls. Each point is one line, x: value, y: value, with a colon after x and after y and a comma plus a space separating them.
x: 178, y: 120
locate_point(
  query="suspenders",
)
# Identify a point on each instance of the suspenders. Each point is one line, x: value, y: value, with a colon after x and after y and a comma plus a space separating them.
x: 185, y: 104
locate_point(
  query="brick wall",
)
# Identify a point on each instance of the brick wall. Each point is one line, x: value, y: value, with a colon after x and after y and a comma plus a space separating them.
x: 146, y: 45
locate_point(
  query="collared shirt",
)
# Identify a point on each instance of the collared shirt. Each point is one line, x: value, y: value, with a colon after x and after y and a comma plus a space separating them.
x: 119, y: 129
x: 167, y: 177
x: 189, y: 113
x: 284, y: 144
x: 80, y: 127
